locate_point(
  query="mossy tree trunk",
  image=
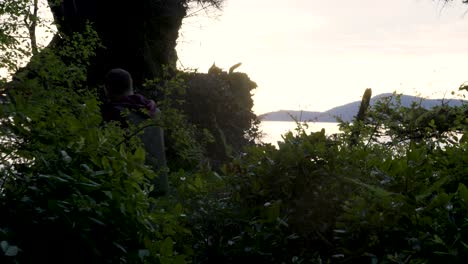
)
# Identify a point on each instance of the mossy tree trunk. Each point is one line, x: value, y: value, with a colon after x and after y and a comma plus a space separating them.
x: 139, y: 36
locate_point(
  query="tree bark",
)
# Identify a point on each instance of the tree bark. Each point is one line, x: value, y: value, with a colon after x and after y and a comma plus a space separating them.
x: 139, y: 36
x: 31, y: 23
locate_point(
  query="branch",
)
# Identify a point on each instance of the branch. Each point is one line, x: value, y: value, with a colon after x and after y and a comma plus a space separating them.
x: 134, y: 134
x: 204, y: 8
x: 32, y: 28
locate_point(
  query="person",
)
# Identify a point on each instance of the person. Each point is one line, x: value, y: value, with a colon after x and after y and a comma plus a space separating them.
x: 118, y: 87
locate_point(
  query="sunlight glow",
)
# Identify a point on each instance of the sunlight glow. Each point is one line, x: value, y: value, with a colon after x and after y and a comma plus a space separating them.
x: 314, y: 55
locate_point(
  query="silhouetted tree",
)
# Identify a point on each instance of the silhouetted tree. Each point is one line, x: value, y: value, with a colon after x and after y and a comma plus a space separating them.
x: 139, y: 36
x: 361, y: 116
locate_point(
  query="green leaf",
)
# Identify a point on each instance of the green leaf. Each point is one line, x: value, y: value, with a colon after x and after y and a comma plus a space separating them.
x: 137, y: 174
x: 376, y: 190
x: 122, y: 151
x: 440, y: 200
x: 464, y: 244
x: 120, y: 247
x: 438, y: 240
x: 108, y: 194
x: 52, y: 177
x: 96, y: 221
x: 11, y: 251
x: 178, y: 210
x: 98, y: 173
x: 464, y: 137
x: 90, y: 184
x: 282, y: 222
x: 142, y: 253
x: 4, y: 245
x: 65, y: 157
x: 123, y: 209
x: 217, y: 175
x: 463, y: 193
x: 105, y: 163
x: 179, y: 259
x: 167, y: 247
x: 140, y: 154
x: 433, y: 188
x: 273, y: 211
x: 198, y: 182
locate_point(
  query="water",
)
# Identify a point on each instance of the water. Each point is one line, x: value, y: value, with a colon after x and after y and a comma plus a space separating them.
x: 273, y: 130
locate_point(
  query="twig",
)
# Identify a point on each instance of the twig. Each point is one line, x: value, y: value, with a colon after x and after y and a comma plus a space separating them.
x: 133, y: 134
x: 203, y: 8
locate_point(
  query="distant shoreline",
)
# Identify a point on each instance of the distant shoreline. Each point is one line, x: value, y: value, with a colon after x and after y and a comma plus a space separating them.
x: 348, y: 111
x: 293, y: 121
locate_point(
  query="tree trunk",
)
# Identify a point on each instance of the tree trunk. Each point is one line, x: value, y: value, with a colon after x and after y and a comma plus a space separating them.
x: 138, y: 36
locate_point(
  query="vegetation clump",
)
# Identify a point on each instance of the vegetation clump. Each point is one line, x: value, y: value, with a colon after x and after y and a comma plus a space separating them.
x: 391, y: 187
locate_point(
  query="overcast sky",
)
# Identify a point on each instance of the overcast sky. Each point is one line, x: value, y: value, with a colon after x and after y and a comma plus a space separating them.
x: 316, y: 54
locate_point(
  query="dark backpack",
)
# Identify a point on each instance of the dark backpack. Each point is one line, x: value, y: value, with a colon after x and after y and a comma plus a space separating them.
x: 152, y: 138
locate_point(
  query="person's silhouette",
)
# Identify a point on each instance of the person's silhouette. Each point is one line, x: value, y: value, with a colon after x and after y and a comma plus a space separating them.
x: 120, y: 94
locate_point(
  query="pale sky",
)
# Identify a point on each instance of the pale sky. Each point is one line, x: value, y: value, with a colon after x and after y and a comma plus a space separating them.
x: 317, y: 54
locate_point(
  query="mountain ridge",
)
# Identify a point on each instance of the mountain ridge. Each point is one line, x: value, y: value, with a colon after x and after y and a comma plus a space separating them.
x: 349, y: 110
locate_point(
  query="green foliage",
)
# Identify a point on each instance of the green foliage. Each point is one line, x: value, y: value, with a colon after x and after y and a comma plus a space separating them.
x: 221, y: 102
x: 18, y: 41
x: 207, y: 117
x: 70, y: 192
x: 391, y: 188
x: 413, y: 205
x: 392, y: 197
x: 185, y: 141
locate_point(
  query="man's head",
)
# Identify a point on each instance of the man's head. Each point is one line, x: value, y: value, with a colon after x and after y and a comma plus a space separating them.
x: 118, y: 83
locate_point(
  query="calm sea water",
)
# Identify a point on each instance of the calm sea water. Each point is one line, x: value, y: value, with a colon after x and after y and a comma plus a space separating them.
x: 273, y: 130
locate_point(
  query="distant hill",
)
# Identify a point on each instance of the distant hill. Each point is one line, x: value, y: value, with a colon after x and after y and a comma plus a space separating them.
x: 348, y: 111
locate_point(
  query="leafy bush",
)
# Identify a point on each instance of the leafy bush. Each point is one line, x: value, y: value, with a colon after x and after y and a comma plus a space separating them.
x: 72, y: 190
x: 410, y: 205
x: 75, y: 190
x: 222, y: 102
x: 185, y: 142
x: 389, y: 198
